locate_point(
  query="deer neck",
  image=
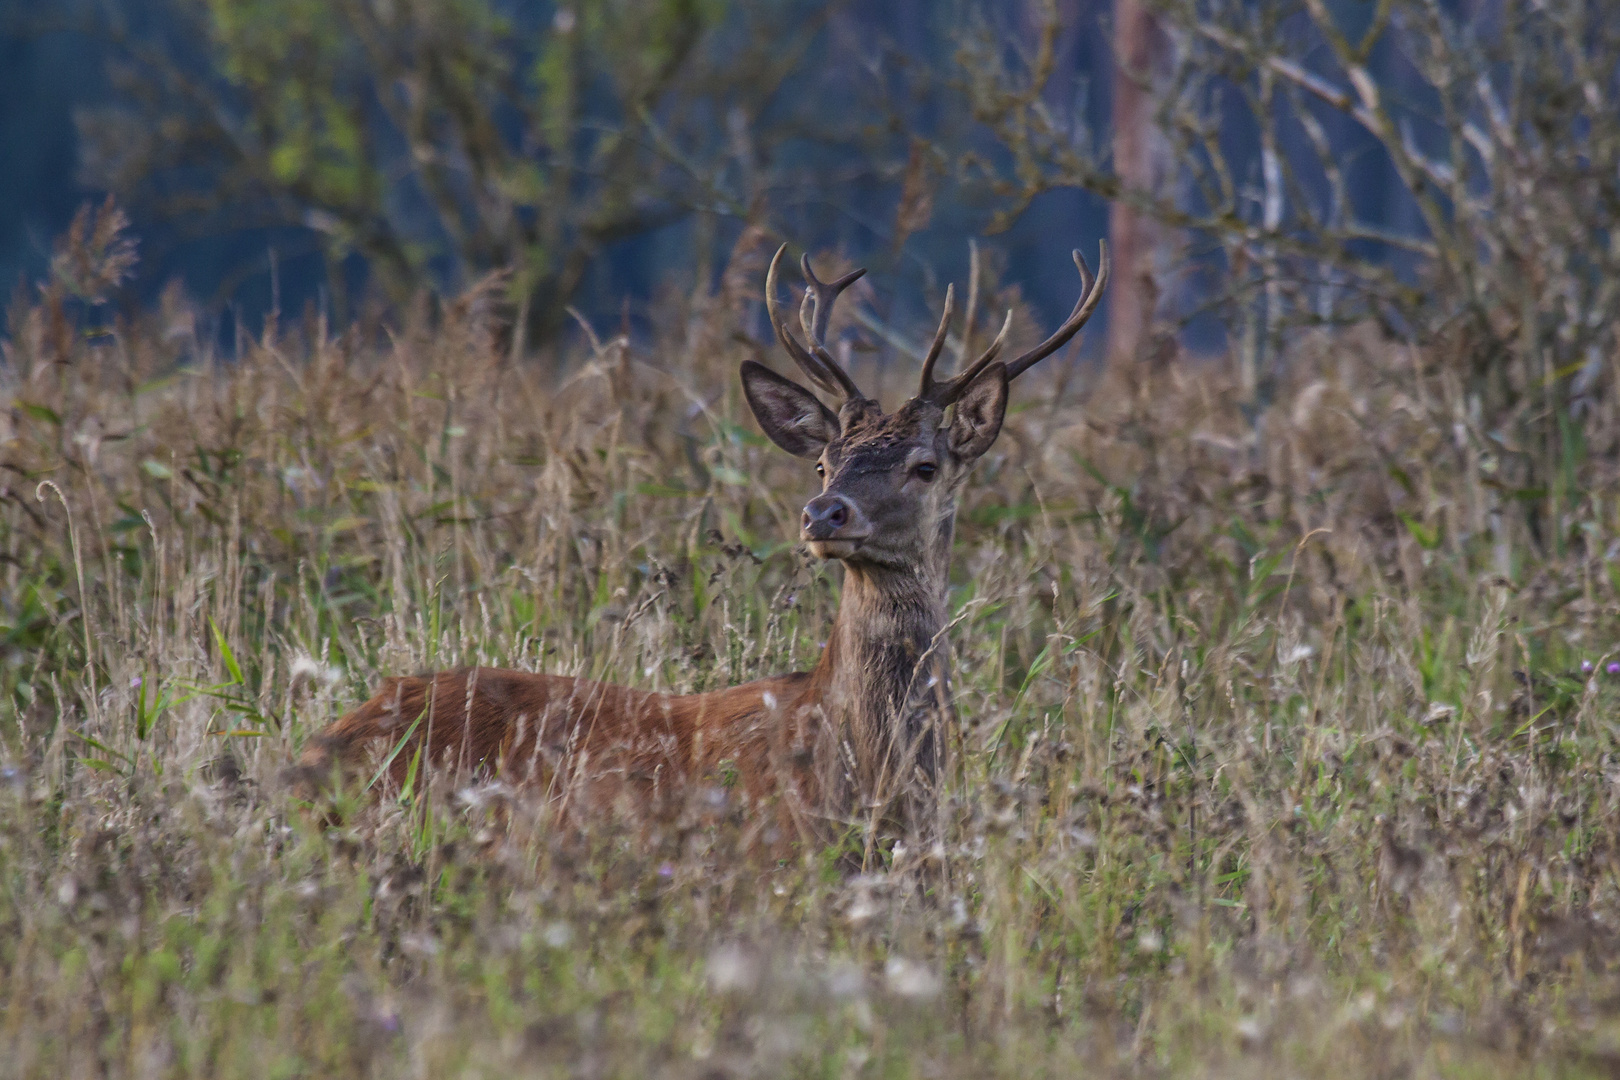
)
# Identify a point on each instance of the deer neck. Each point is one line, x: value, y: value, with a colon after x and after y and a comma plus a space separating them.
x: 884, y: 660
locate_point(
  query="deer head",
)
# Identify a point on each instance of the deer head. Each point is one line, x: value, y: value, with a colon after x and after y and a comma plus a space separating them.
x: 889, y: 480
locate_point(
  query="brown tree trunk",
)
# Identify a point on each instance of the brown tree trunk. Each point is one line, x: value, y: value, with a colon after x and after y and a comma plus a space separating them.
x: 1141, y: 160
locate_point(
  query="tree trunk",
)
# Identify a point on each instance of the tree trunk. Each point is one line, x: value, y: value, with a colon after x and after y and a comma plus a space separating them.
x: 1141, y: 161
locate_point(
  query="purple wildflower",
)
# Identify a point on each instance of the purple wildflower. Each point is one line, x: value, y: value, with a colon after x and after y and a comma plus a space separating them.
x: 1586, y: 666
x: 666, y: 871
x: 1614, y: 667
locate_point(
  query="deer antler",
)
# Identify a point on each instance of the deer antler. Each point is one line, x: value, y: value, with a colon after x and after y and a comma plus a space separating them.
x: 814, y: 313
x: 944, y: 393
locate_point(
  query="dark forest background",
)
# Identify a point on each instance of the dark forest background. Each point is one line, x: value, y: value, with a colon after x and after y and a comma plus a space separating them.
x: 1444, y: 168
x: 841, y: 155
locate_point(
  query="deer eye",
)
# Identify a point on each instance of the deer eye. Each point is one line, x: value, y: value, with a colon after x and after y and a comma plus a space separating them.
x: 821, y: 470
x: 925, y: 472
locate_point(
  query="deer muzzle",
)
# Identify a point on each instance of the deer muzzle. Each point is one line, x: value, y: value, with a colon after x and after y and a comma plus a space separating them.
x: 833, y: 526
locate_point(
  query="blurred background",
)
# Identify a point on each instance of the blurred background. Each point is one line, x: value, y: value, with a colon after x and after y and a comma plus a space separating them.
x: 1257, y: 166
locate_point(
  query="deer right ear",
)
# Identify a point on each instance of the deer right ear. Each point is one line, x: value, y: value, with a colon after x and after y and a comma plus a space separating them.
x: 979, y: 413
x: 793, y: 417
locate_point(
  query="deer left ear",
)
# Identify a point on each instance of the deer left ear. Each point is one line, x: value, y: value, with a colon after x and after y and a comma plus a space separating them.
x: 979, y: 413
x: 793, y: 417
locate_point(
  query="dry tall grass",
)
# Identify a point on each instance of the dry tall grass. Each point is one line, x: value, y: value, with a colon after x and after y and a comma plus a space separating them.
x: 1288, y: 745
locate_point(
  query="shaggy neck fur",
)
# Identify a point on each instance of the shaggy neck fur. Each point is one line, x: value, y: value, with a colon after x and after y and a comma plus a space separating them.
x: 882, y: 680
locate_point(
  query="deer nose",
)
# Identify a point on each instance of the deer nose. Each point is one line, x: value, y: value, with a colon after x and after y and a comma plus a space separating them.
x: 830, y: 517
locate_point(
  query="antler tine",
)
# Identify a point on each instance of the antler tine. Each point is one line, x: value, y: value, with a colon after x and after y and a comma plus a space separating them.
x: 815, y: 313
x: 824, y: 295
x: 973, y: 299
x: 928, y: 384
x: 813, y: 366
x: 1091, y: 290
x: 942, y: 394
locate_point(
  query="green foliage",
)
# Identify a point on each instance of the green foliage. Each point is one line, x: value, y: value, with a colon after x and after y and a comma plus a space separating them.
x: 469, y: 134
x: 290, y: 57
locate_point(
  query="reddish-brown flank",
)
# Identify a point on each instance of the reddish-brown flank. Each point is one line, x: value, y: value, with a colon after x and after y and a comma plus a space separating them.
x: 587, y: 745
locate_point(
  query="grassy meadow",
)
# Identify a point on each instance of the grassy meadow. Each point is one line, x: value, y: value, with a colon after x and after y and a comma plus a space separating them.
x: 1288, y: 745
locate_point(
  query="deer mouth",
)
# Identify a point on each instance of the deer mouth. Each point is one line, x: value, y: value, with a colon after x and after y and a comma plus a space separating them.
x: 840, y: 548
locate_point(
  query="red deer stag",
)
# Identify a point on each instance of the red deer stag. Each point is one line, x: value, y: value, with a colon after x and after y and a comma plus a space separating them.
x: 846, y: 738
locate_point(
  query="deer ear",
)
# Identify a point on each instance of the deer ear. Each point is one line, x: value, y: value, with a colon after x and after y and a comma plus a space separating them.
x: 793, y: 417
x: 979, y: 412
